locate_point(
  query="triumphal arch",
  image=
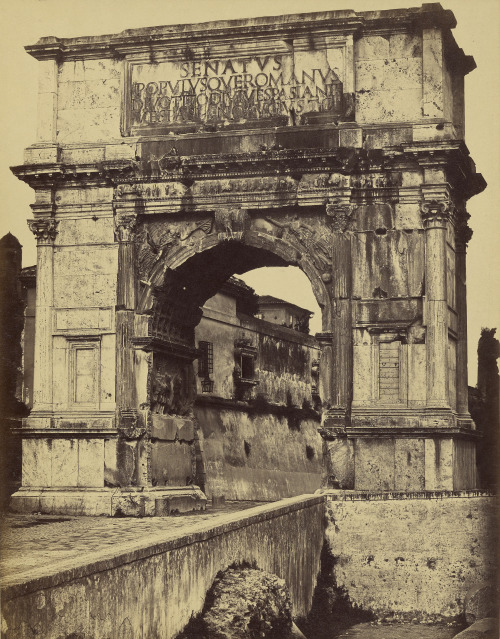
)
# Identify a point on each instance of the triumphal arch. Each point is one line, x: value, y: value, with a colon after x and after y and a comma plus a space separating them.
x: 168, y: 159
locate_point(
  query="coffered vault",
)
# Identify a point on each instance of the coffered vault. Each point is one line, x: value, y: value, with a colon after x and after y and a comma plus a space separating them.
x: 169, y: 158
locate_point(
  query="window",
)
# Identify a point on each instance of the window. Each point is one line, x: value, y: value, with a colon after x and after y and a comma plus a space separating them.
x: 207, y: 386
x: 247, y: 366
x: 206, y: 359
x: 206, y: 366
x: 244, y: 368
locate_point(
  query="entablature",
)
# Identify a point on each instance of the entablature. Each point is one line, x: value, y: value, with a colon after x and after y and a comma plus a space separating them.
x: 274, y: 169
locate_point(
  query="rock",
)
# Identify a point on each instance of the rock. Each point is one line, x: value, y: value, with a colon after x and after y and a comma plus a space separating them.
x: 486, y: 628
x: 248, y: 603
x: 480, y: 602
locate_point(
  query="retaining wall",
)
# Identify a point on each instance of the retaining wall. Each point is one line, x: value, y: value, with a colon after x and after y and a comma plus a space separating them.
x: 412, y: 556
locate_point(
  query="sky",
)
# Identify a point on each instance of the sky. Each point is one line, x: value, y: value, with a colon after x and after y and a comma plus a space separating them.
x: 23, y: 22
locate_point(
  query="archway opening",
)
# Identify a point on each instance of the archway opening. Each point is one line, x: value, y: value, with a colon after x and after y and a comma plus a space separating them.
x: 290, y: 284
x: 251, y: 385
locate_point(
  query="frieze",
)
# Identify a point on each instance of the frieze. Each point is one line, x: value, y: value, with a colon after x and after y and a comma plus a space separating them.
x: 244, y: 185
x: 376, y: 180
x: 362, y: 186
x: 150, y: 191
x: 315, y: 181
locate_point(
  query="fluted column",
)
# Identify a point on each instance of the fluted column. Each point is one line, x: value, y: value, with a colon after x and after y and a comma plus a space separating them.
x: 45, y: 230
x: 129, y: 424
x: 125, y: 305
x: 435, y: 217
x: 462, y: 237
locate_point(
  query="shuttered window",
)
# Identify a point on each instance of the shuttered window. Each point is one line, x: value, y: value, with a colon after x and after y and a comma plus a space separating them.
x: 389, y: 366
x: 206, y: 359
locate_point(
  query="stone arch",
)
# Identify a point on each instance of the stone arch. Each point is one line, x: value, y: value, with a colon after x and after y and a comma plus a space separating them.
x: 284, y: 252
x: 179, y: 281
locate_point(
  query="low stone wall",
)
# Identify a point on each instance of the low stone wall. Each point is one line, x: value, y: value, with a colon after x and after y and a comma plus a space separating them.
x: 412, y: 556
x: 151, y: 590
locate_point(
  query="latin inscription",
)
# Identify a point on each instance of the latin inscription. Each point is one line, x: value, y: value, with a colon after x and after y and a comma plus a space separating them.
x: 233, y: 90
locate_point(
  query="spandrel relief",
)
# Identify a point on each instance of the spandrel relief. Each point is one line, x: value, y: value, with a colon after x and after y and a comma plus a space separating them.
x: 156, y: 240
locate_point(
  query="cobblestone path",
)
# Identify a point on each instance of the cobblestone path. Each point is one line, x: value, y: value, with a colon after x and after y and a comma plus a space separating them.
x: 33, y: 544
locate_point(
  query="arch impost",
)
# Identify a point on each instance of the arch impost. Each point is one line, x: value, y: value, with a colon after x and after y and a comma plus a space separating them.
x: 176, y: 350
x: 324, y: 337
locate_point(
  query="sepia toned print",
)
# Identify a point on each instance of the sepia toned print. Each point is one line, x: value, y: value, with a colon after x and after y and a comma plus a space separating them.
x: 212, y: 453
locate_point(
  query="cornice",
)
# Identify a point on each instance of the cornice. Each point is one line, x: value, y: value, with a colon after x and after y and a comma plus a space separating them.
x: 286, y: 28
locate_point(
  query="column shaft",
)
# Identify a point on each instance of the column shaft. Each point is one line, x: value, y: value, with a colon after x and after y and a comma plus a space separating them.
x: 437, y: 309
x: 336, y: 365
x: 463, y: 235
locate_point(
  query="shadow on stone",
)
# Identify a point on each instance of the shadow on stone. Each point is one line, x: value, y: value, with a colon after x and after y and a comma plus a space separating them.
x: 331, y: 610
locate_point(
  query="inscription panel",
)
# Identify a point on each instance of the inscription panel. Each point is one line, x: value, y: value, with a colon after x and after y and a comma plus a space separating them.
x: 294, y: 88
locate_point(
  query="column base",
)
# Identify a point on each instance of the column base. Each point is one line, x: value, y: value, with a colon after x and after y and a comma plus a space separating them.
x: 110, y: 502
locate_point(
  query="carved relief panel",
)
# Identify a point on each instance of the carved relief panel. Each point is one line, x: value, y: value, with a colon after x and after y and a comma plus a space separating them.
x: 172, y: 385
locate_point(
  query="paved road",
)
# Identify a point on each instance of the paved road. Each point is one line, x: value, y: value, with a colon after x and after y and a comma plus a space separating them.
x: 30, y: 543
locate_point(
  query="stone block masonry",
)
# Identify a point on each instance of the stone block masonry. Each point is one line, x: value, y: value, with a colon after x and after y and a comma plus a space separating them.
x: 412, y: 557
